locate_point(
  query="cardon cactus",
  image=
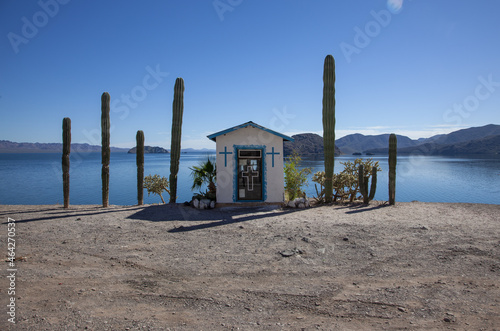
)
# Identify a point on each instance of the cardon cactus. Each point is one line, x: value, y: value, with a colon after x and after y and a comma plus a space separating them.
x: 175, y: 147
x: 393, y: 143
x: 105, y: 151
x: 363, y: 183
x: 329, y: 124
x: 373, y: 187
x: 66, y: 136
x: 140, y: 167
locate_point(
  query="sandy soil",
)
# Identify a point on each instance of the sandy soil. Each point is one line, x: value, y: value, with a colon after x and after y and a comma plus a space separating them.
x: 158, y: 267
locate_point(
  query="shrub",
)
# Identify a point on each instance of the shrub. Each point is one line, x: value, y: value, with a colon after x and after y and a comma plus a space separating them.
x: 156, y: 185
x: 345, y: 183
x: 295, y: 179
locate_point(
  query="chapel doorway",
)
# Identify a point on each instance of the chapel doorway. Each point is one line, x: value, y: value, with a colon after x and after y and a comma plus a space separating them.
x: 250, y: 174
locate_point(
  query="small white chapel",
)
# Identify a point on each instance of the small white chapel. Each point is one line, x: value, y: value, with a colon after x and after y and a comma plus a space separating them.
x: 249, y: 164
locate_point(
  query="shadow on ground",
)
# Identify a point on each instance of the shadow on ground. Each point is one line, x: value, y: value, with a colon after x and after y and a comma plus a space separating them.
x: 207, y: 218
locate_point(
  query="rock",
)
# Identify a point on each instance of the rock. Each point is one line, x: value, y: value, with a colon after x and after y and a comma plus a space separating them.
x: 288, y: 253
x: 291, y: 204
x: 301, y: 205
x: 307, y: 203
x: 206, y: 203
x: 212, y: 204
x: 196, y: 203
x: 202, y: 205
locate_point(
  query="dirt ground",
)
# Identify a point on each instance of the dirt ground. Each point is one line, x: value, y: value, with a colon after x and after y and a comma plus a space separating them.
x: 413, y: 266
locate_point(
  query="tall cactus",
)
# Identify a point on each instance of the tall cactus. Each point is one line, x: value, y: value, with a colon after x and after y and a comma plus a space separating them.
x: 329, y: 124
x: 105, y: 151
x: 140, y: 167
x: 373, y: 187
x: 393, y: 144
x: 175, y: 147
x: 363, y: 183
x: 66, y: 136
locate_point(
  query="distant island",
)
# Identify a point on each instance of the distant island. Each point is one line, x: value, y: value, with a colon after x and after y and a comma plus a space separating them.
x: 149, y: 150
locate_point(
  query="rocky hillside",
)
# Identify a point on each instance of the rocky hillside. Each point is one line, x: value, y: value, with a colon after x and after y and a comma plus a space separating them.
x: 489, y: 145
x: 477, y: 140
x: 149, y: 150
x: 358, y: 143
x: 306, y: 144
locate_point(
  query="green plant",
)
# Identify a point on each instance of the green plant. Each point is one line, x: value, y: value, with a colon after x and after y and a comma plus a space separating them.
x: 65, y: 158
x: 363, y: 179
x: 140, y: 166
x: 373, y: 187
x: 329, y: 124
x: 175, y: 149
x: 346, y: 183
x: 295, y: 179
x: 393, y: 153
x: 205, y: 173
x: 105, y: 151
x: 156, y: 185
x: 319, y: 177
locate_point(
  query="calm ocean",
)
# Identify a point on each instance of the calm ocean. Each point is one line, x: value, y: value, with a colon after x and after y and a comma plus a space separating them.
x: 37, y: 178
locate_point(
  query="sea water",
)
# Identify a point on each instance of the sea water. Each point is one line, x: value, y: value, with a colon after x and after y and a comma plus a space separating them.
x: 37, y: 178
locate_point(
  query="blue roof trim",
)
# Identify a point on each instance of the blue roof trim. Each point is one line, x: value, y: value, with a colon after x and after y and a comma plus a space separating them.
x: 244, y: 125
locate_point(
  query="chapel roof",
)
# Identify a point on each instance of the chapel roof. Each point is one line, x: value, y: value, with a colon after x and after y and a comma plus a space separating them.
x: 214, y: 136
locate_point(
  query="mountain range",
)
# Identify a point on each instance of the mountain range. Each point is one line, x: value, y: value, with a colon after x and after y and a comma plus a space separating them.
x: 306, y: 144
x: 13, y: 147
x: 475, y: 140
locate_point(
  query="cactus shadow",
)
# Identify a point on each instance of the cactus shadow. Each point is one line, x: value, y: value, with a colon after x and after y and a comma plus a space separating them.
x: 361, y: 208
x: 185, y: 218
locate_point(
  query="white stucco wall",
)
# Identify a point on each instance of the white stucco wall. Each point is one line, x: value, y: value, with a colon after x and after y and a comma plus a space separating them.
x: 273, y: 176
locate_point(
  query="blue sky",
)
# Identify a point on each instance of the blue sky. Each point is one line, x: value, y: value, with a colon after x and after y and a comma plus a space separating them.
x: 418, y: 68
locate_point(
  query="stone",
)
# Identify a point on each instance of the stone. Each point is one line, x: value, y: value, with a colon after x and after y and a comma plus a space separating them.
x: 301, y: 205
x: 196, y: 203
x: 202, y: 205
x: 212, y: 204
x: 299, y: 200
x: 288, y: 252
x: 291, y: 204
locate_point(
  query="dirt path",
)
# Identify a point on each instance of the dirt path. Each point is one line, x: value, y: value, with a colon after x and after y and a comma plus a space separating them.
x: 413, y: 266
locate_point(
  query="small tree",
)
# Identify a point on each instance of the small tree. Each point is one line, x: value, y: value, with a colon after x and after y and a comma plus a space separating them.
x: 205, y: 173
x: 295, y: 179
x: 156, y: 185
